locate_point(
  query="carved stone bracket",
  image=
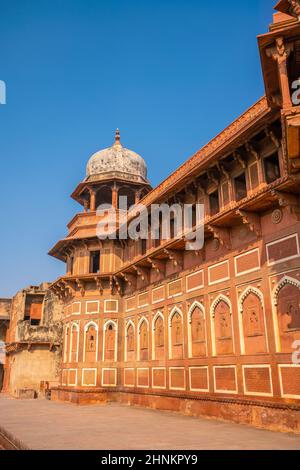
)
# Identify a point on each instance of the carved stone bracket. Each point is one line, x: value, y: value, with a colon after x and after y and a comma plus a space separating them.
x: 158, y: 265
x: 81, y: 286
x: 252, y: 220
x: 239, y: 159
x: 288, y: 200
x: 175, y: 257
x: 280, y: 53
x: 118, y: 284
x: 251, y: 150
x: 141, y: 272
x: 223, y: 171
x: 211, y: 176
x: 221, y: 234
x: 130, y: 279
x: 99, y: 284
x: 270, y: 133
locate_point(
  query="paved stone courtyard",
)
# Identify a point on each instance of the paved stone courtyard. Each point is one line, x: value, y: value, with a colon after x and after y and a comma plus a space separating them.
x: 41, y: 424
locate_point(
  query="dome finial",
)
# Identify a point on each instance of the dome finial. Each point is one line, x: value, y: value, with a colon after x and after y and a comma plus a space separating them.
x: 117, y: 137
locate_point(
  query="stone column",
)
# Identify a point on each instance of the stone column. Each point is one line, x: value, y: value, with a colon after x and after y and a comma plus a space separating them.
x: 115, y: 197
x: 280, y: 53
x: 137, y: 196
x: 92, y: 200
x: 86, y: 206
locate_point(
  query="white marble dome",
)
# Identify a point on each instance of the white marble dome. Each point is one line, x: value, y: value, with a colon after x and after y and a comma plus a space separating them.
x: 117, y: 161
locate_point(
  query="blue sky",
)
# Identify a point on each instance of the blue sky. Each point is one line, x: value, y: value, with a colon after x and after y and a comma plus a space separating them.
x: 170, y: 74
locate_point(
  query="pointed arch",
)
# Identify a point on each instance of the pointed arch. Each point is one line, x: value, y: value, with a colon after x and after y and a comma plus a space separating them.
x: 129, y: 324
x: 282, y: 336
x: 74, y: 342
x: 143, y: 343
x: 66, y: 343
x: 282, y: 283
x: 176, y: 334
x: 110, y: 354
x: 158, y: 315
x: 87, y: 327
x: 173, y: 312
x: 221, y: 298
x: 218, y: 300
x: 260, y: 340
x: 196, y: 348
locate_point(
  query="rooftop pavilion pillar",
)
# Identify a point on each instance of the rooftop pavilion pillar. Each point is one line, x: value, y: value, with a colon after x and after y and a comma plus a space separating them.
x: 86, y: 206
x: 93, y: 200
x: 137, y: 196
x: 280, y: 53
x: 115, y: 196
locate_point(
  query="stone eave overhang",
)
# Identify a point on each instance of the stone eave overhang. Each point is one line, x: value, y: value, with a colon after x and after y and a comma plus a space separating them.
x: 238, y: 132
x: 71, y: 281
x: 263, y: 199
x: 58, y: 251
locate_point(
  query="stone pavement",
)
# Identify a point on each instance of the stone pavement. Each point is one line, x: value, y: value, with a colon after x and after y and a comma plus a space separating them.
x: 41, y: 424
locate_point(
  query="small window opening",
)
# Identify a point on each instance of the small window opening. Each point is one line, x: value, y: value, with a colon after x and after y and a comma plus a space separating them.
x: 95, y: 261
x: 272, y: 168
x: 214, y: 203
x: 240, y: 187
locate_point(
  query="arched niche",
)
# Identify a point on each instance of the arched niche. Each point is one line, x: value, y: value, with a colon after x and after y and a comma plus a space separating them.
x: 158, y: 335
x: 197, y: 331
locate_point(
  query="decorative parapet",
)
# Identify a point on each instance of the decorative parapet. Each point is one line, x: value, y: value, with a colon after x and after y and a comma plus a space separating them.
x: 39, y: 334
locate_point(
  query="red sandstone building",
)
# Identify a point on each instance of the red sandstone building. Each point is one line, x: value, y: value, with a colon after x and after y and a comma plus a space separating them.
x: 209, y: 332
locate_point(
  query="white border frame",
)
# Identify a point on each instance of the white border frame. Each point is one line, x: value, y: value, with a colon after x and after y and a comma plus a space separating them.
x: 210, y: 283
x: 138, y: 299
x: 124, y: 375
x: 170, y: 378
x: 82, y: 375
x: 258, y: 366
x: 155, y: 387
x: 283, y: 395
x: 161, y: 300
x: 92, y: 302
x: 248, y: 271
x: 168, y: 289
x: 76, y: 303
x: 273, y: 263
x: 192, y: 275
x: 76, y: 375
x: 111, y: 311
x: 137, y: 377
x: 102, y: 376
x: 130, y: 309
x: 225, y: 392
x: 202, y: 390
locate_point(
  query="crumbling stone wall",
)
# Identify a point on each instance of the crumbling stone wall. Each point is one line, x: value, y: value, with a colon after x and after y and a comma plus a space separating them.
x: 34, y: 351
